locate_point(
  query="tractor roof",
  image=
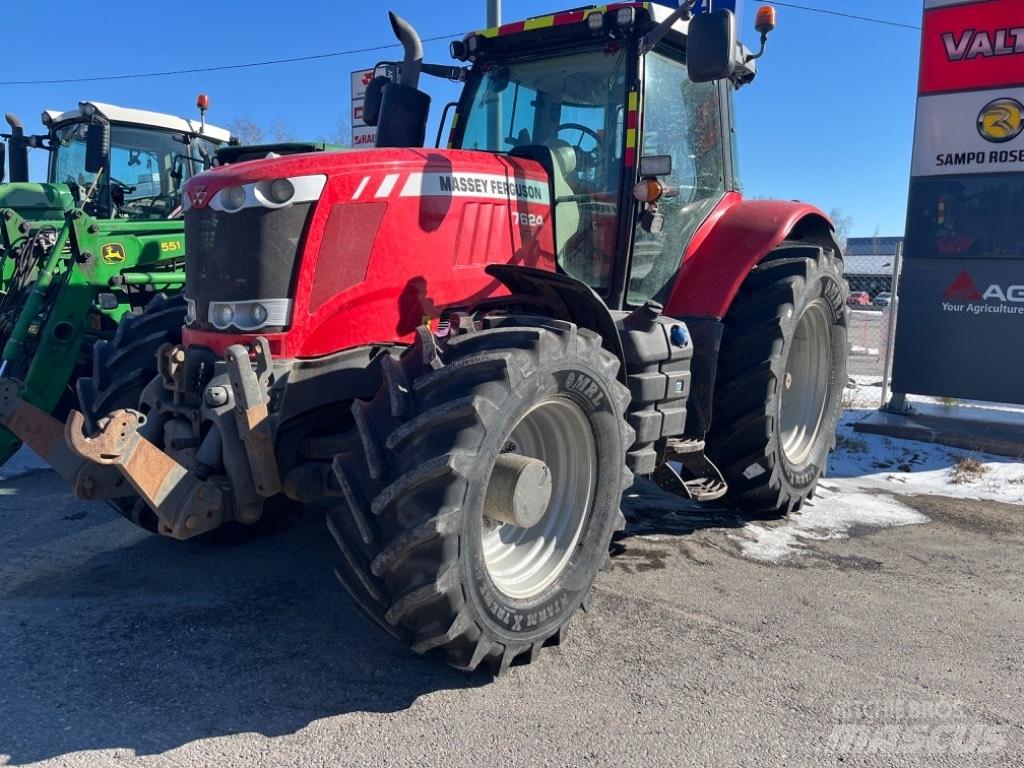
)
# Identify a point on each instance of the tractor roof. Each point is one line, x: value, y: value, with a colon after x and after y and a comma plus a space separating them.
x: 141, y: 117
x: 658, y: 13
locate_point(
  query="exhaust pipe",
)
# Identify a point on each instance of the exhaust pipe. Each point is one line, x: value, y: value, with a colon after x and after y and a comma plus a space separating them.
x: 413, y: 46
x: 18, y: 149
x: 402, y: 116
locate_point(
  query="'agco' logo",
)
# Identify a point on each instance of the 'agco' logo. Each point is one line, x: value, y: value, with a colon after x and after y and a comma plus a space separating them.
x: 964, y: 296
x: 1001, y: 120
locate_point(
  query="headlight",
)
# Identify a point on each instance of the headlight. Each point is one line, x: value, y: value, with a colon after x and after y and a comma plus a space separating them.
x: 250, y: 315
x: 222, y: 315
x: 595, y: 21
x: 190, y: 312
x: 234, y: 198
x: 272, y: 193
x: 281, y: 191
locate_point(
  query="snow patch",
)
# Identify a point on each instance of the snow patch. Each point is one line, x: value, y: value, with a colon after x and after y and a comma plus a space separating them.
x: 864, y: 474
x: 832, y: 515
x: 907, y: 467
x: 24, y: 462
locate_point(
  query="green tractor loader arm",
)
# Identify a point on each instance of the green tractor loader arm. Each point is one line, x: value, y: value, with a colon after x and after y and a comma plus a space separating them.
x: 91, y: 274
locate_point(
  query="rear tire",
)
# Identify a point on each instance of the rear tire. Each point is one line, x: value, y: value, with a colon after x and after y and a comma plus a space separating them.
x: 122, y: 368
x: 417, y: 553
x: 779, y: 386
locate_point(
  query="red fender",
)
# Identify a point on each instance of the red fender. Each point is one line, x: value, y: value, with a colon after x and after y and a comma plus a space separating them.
x: 732, y: 240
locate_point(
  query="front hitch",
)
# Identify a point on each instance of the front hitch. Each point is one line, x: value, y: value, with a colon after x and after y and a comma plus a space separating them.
x: 185, y: 505
x: 45, y: 435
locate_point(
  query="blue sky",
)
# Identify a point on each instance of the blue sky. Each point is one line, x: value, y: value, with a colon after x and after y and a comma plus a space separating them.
x: 829, y: 120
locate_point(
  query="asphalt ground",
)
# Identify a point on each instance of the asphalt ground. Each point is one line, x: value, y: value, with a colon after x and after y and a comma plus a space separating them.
x: 895, y: 646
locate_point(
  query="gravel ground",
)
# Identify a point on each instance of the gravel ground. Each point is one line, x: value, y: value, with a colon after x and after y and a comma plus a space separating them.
x: 879, y: 647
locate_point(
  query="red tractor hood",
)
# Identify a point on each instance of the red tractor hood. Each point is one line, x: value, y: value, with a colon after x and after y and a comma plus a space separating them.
x: 395, y: 238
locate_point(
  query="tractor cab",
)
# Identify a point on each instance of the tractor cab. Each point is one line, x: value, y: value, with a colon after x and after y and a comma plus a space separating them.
x: 119, y: 163
x: 638, y: 147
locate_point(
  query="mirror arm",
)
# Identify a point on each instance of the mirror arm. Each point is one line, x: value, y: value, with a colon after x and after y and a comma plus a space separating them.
x: 764, y: 44
x: 652, y: 38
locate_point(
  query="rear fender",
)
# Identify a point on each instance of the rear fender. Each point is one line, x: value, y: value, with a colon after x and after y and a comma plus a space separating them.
x: 735, y: 238
x: 564, y: 298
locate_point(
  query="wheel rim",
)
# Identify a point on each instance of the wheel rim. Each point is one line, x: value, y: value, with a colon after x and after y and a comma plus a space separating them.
x: 523, y: 562
x: 806, y: 382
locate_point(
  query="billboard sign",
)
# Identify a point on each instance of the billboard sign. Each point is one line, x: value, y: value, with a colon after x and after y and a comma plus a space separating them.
x: 961, y: 297
x: 363, y: 136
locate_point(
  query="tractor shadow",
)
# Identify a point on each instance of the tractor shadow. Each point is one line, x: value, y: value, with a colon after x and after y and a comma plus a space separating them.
x: 650, y: 511
x: 114, y: 639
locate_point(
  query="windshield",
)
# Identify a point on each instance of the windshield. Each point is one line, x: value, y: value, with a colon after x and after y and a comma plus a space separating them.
x: 574, y: 105
x: 146, y: 171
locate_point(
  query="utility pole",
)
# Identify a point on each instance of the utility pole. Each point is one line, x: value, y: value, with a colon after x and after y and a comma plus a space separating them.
x: 495, y: 129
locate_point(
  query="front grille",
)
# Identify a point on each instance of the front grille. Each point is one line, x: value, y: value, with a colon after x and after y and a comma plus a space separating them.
x: 243, y: 256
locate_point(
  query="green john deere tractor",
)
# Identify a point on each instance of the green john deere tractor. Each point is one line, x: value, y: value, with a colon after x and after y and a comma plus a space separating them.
x: 92, y: 261
x: 100, y: 240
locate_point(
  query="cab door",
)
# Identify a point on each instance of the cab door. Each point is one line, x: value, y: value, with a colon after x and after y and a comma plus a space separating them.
x: 684, y: 121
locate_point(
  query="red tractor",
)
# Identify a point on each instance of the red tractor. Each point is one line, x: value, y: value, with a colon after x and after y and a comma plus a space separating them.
x: 466, y: 354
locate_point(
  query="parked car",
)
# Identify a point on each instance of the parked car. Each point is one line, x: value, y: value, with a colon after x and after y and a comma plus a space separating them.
x: 859, y: 299
x: 884, y: 299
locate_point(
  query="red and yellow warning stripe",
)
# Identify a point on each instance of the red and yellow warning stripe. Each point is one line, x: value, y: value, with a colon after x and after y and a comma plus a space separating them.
x: 554, y: 20
x: 632, y: 124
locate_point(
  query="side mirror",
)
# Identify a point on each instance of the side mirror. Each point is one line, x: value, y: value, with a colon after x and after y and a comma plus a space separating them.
x: 711, y: 49
x: 97, y: 147
x: 372, y: 100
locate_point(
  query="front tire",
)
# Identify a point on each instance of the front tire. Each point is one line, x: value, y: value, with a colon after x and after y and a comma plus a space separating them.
x: 122, y: 368
x: 778, y: 390
x: 419, y: 553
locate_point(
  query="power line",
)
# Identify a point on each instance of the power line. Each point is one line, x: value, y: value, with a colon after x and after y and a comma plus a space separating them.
x: 221, y: 68
x: 846, y: 15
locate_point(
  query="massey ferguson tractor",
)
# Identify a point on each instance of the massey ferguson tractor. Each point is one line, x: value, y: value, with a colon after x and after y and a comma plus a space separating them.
x: 466, y: 354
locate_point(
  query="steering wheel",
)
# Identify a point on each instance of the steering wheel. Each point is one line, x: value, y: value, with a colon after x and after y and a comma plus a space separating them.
x: 128, y: 188
x: 584, y: 131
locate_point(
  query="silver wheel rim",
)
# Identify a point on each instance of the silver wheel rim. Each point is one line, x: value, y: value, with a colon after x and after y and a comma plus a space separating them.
x: 806, y: 381
x: 523, y: 562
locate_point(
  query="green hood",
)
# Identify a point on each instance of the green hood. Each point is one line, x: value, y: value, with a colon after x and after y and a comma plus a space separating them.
x: 36, y: 201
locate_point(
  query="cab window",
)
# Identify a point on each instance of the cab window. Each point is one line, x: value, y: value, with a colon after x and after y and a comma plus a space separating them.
x: 573, y: 105
x: 683, y: 120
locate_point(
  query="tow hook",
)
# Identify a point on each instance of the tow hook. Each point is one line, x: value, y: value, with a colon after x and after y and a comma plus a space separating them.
x: 184, y: 505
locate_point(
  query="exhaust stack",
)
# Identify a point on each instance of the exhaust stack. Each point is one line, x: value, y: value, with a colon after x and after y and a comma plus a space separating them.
x: 18, y: 149
x: 413, y: 47
x: 402, y: 119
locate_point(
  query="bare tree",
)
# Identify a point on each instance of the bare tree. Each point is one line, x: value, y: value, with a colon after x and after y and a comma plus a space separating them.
x: 280, y: 130
x: 246, y: 130
x: 341, y: 135
x: 842, y: 223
